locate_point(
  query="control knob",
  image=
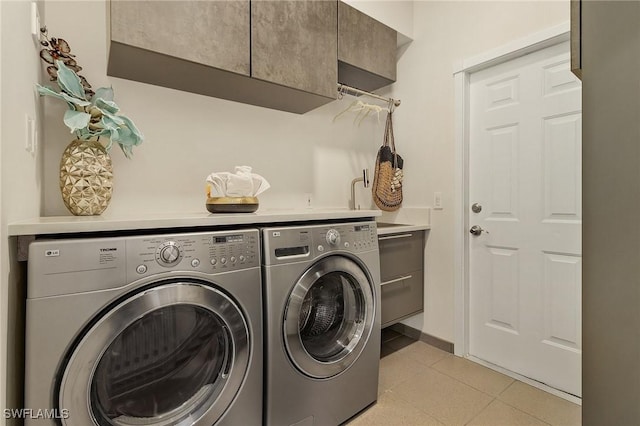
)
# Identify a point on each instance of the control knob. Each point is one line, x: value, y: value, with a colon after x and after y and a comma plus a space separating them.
x: 168, y: 253
x: 333, y: 237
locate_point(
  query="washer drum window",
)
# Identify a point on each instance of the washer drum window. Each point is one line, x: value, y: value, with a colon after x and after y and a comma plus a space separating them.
x: 171, y: 355
x: 329, y: 317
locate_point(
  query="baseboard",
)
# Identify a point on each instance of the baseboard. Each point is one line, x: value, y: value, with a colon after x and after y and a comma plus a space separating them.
x: 423, y: 337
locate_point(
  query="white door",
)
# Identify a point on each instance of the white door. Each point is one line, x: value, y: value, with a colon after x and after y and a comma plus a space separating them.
x: 525, y: 174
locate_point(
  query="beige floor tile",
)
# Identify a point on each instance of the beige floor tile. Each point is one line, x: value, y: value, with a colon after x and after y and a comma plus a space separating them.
x: 423, y: 353
x: 389, y: 411
x: 473, y: 374
x: 500, y: 414
x: 543, y: 405
x: 446, y: 399
x: 395, y: 369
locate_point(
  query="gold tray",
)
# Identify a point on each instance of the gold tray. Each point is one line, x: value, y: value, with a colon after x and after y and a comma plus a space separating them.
x: 232, y: 204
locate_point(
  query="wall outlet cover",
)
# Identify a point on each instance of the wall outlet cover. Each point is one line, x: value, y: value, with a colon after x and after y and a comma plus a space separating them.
x: 437, y: 200
x: 30, y: 135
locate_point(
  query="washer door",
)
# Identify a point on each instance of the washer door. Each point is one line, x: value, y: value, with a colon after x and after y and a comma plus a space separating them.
x: 175, y: 354
x: 328, y: 317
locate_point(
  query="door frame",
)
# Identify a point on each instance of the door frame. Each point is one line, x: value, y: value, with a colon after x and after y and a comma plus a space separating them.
x: 462, y: 74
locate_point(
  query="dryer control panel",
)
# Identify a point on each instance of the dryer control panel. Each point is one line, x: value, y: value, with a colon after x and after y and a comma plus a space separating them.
x: 65, y: 266
x: 208, y: 252
x: 286, y: 244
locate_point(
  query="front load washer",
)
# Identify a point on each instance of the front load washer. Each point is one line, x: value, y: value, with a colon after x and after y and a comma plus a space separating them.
x: 322, y: 322
x: 152, y: 330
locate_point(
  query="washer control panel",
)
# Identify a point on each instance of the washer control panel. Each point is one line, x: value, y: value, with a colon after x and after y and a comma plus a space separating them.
x: 208, y: 252
x: 284, y: 244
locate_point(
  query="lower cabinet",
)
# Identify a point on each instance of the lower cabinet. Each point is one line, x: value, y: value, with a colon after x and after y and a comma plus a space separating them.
x: 402, y: 275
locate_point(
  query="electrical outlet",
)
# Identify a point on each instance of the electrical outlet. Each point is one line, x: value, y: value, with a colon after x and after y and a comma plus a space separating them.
x: 308, y: 200
x: 437, y: 200
x: 35, y: 24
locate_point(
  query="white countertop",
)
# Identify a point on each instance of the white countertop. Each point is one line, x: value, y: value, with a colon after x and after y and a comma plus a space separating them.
x: 400, y: 228
x: 105, y: 222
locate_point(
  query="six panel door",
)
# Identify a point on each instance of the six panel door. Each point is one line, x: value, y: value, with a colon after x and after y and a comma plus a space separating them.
x: 525, y: 172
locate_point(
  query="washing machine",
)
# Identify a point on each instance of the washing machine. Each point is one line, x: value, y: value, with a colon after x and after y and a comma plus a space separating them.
x: 149, y: 330
x: 322, y: 322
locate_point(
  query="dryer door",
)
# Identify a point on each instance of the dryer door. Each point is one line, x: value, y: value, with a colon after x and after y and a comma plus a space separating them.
x: 329, y: 317
x: 173, y: 354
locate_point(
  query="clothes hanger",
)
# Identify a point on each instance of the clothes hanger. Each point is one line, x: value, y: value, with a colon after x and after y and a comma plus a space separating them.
x: 363, y: 109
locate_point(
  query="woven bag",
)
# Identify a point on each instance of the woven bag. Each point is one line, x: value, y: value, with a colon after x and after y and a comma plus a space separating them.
x: 387, y: 180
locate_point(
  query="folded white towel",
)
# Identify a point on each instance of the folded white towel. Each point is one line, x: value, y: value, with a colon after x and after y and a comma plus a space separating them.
x: 242, y: 183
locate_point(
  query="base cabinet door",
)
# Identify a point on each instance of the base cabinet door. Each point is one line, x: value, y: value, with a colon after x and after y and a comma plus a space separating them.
x: 402, y: 297
x: 402, y: 275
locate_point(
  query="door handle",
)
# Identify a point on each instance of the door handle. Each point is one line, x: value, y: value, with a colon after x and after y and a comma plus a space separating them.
x: 476, y: 230
x: 393, y: 237
x: 406, y: 277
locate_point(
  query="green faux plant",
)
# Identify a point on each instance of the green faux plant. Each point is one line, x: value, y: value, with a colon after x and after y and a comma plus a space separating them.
x: 91, y: 114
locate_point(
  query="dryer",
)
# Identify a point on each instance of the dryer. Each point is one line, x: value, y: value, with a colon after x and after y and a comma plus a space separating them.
x: 322, y: 322
x: 155, y: 330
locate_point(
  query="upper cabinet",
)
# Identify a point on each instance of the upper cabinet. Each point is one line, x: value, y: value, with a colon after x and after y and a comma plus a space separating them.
x: 210, y: 33
x: 294, y: 43
x: 366, y: 50
x: 285, y: 55
x: 274, y: 54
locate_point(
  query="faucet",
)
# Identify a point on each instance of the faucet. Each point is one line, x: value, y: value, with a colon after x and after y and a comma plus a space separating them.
x: 365, y: 181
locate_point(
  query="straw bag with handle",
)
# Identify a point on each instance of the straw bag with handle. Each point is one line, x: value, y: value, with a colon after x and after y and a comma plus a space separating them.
x: 387, y: 180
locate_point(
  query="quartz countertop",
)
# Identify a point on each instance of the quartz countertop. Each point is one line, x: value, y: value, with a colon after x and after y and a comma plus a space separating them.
x: 106, y: 222
x: 396, y: 228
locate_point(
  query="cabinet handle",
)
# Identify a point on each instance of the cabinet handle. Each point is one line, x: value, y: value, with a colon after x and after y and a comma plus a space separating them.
x: 391, y: 237
x: 396, y: 280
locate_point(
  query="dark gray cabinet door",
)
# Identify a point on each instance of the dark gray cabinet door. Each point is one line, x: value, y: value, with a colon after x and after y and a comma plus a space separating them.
x: 366, y: 50
x: 288, y: 63
x: 402, y: 276
x: 207, y: 32
x: 294, y: 44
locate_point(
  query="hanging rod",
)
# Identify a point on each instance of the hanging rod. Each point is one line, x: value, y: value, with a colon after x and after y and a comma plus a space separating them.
x: 344, y: 89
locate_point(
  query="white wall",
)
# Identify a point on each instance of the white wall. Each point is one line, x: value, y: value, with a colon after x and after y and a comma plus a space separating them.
x: 445, y: 33
x: 19, y: 171
x: 188, y: 136
x: 397, y: 14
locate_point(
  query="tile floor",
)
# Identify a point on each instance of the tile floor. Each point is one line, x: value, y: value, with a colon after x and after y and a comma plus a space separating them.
x: 422, y: 385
